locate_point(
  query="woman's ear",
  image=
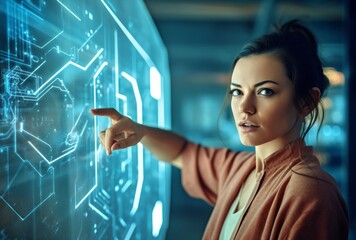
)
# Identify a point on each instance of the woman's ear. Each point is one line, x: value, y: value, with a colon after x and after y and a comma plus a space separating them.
x: 315, y: 96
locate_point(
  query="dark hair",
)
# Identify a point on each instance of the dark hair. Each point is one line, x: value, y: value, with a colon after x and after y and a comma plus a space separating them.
x: 297, y: 49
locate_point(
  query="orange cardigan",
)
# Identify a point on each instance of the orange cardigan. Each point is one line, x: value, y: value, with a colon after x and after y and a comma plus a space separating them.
x: 293, y: 199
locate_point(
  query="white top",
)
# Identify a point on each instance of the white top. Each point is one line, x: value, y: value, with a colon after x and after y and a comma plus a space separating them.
x: 231, y: 219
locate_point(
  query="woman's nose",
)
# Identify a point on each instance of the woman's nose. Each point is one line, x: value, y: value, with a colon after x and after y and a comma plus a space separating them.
x: 247, y: 105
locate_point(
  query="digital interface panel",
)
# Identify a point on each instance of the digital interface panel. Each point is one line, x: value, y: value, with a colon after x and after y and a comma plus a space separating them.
x: 58, y: 59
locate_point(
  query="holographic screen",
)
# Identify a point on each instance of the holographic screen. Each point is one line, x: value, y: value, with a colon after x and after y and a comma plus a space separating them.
x: 58, y: 59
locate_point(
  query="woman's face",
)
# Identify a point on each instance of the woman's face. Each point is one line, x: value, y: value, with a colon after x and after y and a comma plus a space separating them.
x: 262, y: 101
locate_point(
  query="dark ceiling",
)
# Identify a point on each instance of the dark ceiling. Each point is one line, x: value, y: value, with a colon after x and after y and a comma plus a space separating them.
x: 203, y: 36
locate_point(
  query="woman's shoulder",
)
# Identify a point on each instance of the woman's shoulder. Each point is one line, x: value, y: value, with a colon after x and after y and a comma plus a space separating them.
x: 309, y: 169
x: 310, y: 179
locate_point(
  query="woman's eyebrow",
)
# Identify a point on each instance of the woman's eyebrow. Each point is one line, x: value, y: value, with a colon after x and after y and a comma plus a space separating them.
x: 257, y: 84
x: 266, y: 81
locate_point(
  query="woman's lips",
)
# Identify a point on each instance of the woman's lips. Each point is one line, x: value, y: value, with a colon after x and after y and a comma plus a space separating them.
x: 246, y: 128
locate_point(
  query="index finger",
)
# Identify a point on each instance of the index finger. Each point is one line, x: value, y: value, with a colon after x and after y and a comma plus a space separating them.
x: 107, y: 112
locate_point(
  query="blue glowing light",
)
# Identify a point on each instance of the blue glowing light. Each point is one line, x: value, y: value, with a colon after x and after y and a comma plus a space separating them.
x: 58, y: 59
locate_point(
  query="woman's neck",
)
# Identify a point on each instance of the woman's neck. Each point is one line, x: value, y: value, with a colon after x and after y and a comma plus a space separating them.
x: 265, y: 150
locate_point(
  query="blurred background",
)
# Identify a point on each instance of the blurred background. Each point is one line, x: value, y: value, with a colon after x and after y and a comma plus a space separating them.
x: 204, y: 36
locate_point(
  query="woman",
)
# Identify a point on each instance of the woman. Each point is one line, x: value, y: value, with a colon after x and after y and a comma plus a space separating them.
x: 280, y: 191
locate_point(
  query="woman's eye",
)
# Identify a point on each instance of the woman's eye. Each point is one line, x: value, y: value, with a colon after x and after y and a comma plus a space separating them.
x: 266, y: 92
x: 235, y: 92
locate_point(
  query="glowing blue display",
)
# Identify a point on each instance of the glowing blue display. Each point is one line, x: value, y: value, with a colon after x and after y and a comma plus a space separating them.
x: 58, y: 59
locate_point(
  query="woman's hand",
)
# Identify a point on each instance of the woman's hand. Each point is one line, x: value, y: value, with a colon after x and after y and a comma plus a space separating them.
x: 123, y: 132
x: 164, y: 144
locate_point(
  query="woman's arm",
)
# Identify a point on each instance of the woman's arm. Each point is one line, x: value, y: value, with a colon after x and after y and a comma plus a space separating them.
x: 124, y: 132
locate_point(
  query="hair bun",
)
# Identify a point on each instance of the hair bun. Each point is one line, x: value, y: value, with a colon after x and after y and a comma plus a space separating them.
x: 298, y: 35
x: 295, y: 28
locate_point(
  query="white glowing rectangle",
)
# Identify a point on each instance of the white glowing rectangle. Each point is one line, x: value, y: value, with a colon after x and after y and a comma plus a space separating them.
x: 157, y: 218
x: 155, y: 83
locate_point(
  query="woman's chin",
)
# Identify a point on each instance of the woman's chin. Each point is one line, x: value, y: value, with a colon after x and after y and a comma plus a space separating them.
x: 250, y: 142
x: 247, y: 142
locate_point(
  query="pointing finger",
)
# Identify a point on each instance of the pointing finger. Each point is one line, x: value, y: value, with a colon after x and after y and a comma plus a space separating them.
x: 108, y: 112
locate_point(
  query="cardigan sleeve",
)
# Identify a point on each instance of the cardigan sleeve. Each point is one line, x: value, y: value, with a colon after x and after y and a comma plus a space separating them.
x: 205, y: 169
